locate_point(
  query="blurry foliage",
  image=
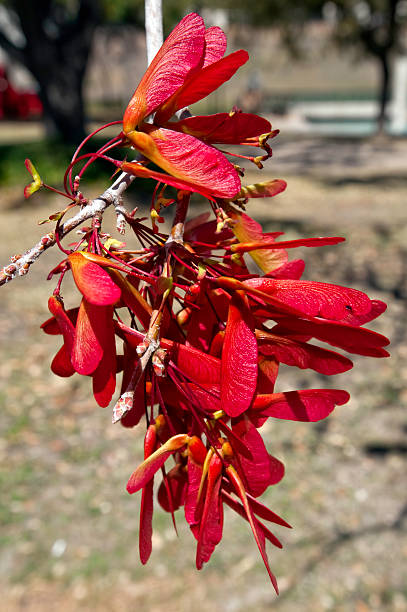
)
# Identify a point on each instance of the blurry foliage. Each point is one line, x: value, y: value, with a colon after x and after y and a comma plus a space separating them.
x: 290, y: 17
x: 51, y: 161
x: 52, y: 39
x: 374, y: 27
x: 116, y: 11
x: 377, y: 28
x: 132, y: 12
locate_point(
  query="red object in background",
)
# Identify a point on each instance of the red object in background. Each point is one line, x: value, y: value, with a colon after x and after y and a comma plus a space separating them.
x: 15, y: 104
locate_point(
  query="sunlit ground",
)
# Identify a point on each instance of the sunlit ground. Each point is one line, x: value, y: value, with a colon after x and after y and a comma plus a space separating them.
x: 69, y: 529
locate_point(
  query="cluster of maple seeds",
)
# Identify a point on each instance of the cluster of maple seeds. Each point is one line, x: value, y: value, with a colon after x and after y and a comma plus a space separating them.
x: 202, y: 335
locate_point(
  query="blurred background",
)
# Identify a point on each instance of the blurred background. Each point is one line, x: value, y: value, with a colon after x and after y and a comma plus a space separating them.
x: 332, y: 76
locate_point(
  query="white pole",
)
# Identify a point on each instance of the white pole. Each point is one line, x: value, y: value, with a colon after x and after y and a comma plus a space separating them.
x: 154, y: 27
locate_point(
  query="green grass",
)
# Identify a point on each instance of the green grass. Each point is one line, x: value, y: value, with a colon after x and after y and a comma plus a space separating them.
x: 51, y: 159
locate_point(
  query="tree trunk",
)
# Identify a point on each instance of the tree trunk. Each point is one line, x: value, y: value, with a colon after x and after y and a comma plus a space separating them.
x: 56, y: 53
x: 60, y: 70
x: 63, y: 105
x: 384, y: 91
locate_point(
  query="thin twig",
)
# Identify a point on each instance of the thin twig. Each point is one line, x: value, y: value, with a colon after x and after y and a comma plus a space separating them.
x: 20, y: 265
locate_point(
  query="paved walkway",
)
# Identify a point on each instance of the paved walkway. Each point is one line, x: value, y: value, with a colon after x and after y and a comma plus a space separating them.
x: 348, y: 157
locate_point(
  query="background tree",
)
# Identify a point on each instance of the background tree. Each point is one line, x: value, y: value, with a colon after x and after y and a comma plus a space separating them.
x: 374, y: 27
x: 57, y: 38
x: 57, y: 41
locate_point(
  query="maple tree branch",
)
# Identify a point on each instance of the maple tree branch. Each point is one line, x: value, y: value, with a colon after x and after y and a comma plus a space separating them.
x: 177, y: 230
x: 20, y: 264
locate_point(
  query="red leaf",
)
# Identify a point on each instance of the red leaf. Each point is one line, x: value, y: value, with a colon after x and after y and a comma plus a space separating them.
x: 239, y: 359
x: 133, y: 416
x: 92, y: 281
x: 146, y: 508
x: 177, y: 485
x: 377, y: 307
x: 277, y: 470
x: 201, y: 323
x: 53, y: 328
x: 254, y: 524
x: 211, y: 525
x: 139, y: 170
x: 247, y: 229
x: 104, y: 380
x: 191, y: 499
x: 181, y: 52
x: 284, y: 244
x: 146, y: 517
x: 194, y: 364
x: 307, y: 405
x: 302, y: 355
x: 89, y: 340
x: 266, y: 189
x: 201, y: 83
x: 104, y: 377
x: 257, y: 507
x: 188, y: 159
x: 313, y: 298
x: 215, y: 45
x: 146, y: 470
x: 61, y: 364
x: 353, y: 339
x: 223, y: 128
x: 256, y: 471
x: 63, y: 321
x: 215, y: 348
x: 237, y: 507
x: 291, y: 269
x: 267, y: 374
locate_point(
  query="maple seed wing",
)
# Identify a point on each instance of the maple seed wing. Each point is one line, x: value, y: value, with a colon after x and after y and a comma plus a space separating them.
x: 314, y: 299
x: 201, y: 83
x: 239, y: 359
x: 307, y: 405
x: 181, y: 52
x: 93, y: 281
x: 146, y: 470
x: 247, y: 229
x: 215, y: 45
x: 188, y: 159
x: 223, y: 128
